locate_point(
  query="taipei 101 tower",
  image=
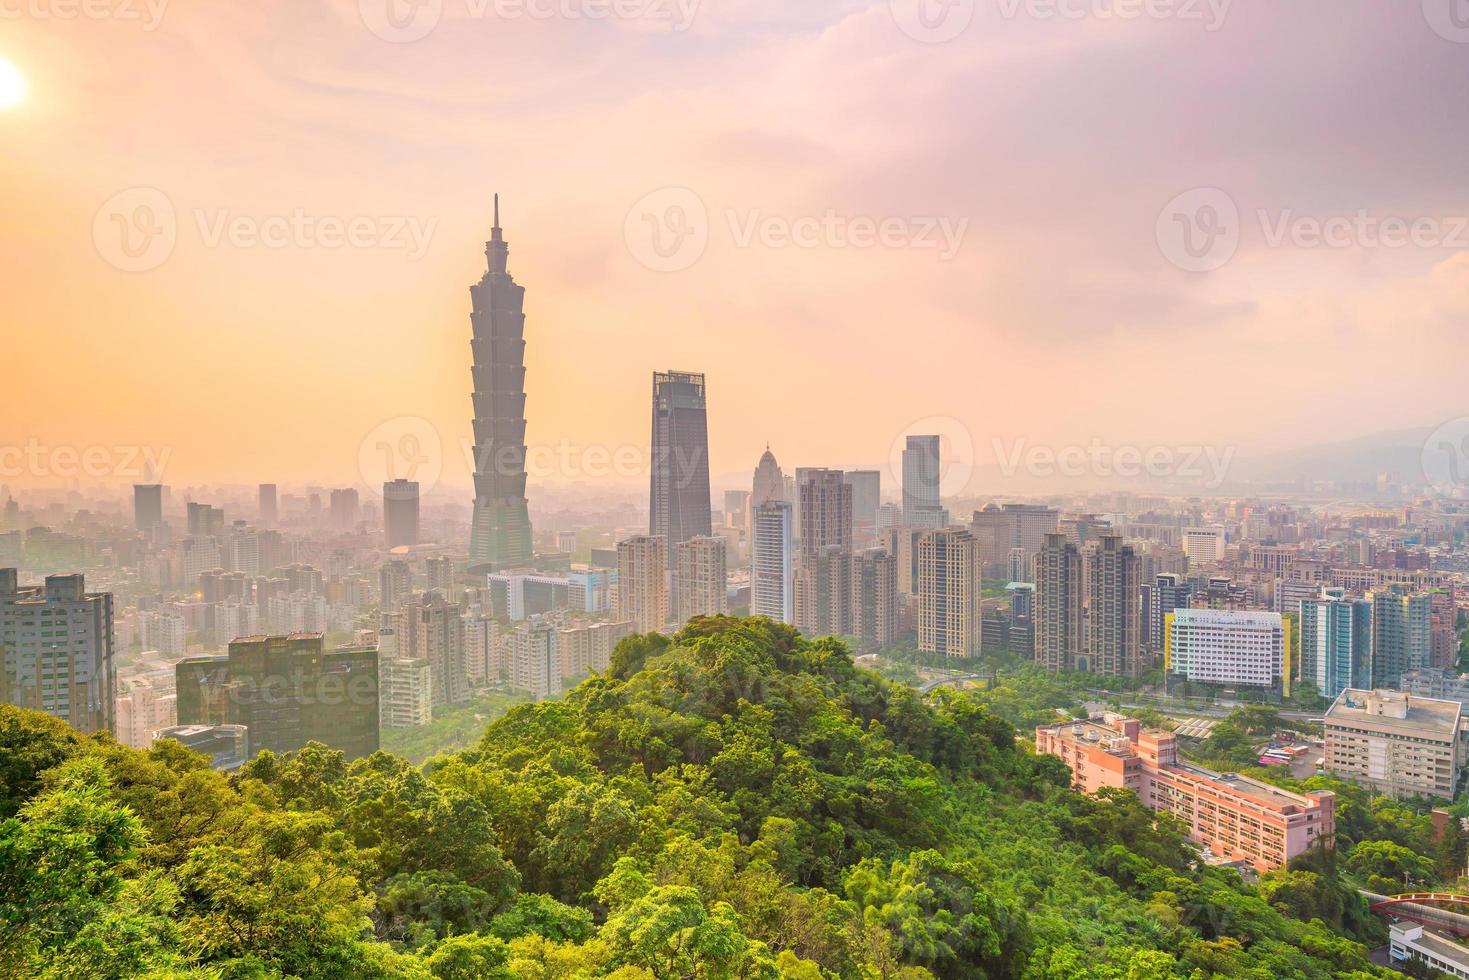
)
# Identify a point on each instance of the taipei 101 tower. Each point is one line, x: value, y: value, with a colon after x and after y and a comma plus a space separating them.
x: 501, y: 532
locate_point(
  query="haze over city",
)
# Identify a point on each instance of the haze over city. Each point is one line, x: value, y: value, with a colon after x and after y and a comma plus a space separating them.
x: 734, y: 490
x: 1055, y: 143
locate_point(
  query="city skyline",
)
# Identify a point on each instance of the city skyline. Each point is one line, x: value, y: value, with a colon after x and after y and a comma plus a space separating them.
x: 1070, y: 275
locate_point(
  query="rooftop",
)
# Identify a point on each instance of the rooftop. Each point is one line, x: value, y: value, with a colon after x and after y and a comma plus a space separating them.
x: 1394, y: 711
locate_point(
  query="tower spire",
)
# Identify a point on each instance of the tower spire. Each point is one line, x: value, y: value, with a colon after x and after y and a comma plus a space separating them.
x: 496, y: 251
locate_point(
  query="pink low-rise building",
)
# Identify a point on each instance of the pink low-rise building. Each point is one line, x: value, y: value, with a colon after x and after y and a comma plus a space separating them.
x: 1234, y: 817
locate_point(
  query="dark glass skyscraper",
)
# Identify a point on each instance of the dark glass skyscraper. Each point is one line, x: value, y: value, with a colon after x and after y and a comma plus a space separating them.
x: 500, y: 537
x: 678, y: 494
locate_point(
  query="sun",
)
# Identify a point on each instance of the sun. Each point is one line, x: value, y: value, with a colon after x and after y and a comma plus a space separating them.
x: 12, y: 85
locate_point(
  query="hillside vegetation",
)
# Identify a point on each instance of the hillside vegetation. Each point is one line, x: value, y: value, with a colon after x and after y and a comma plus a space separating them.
x: 734, y: 802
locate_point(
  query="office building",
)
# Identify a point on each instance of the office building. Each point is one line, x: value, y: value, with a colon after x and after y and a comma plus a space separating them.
x: 1113, y: 621
x: 345, y: 507
x: 201, y: 686
x: 642, y: 582
x: 501, y: 532
x: 1434, y: 948
x: 866, y: 498
x: 1229, y: 649
x: 147, y: 505
x: 678, y: 491
x: 772, y: 562
x: 1395, y: 743
x: 1169, y: 591
x: 400, y: 513
x: 700, y: 579
x: 949, y: 591
x: 1204, y: 545
x: 921, y: 477
x: 288, y: 691
x: 769, y: 484
x: 1059, y: 639
x: 268, y: 508
x: 1336, y: 641
x: 56, y: 642
x: 1235, y: 818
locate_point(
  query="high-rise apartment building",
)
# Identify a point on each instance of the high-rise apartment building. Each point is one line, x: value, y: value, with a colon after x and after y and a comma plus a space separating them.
x: 700, y: 579
x: 949, y: 591
x: 395, y: 584
x: 501, y: 533
x: 873, y: 577
x: 1336, y: 642
x: 405, y: 697
x: 587, y: 647
x: 1168, y: 591
x: 1113, y: 622
x: 772, y: 562
x: 535, y: 658
x: 1402, y: 633
x: 431, y: 628
x: 823, y: 588
x: 400, y: 513
x: 642, y: 582
x: 678, y: 492
x: 56, y: 644
x: 1059, y: 640
x: 147, y: 505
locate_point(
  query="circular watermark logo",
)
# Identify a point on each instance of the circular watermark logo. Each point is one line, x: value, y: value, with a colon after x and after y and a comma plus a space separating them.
x: 135, y: 230
x: 1448, y: 18
x: 668, y: 229
x: 404, y: 448
x: 954, y: 456
x: 401, y: 21
x: 1198, y: 230
x: 932, y: 21
x: 1446, y: 458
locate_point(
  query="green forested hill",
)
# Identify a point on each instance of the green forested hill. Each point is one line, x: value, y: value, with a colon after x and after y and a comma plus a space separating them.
x: 736, y: 802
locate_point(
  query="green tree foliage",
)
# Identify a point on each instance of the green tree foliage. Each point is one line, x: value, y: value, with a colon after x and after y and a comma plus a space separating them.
x: 732, y: 803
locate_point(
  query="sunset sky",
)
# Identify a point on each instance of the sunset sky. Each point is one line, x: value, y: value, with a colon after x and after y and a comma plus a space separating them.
x: 1051, y: 146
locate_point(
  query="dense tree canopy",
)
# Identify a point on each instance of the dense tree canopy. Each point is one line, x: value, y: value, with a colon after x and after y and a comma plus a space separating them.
x: 732, y: 802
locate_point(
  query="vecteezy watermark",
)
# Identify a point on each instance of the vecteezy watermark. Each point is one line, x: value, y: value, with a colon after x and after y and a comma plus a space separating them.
x: 406, y: 448
x: 1449, y: 19
x: 136, y: 230
x: 1199, y: 230
x: 406, y: 21
x: 148, y: 13
x: 932, y: 21
x: 936, y: 452
x: 937, y: 21
x: 1446, y: 458
x: 36, y: 459
x: 1209, y: 13
x: 669, y: 229
x: 1207, y: 465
